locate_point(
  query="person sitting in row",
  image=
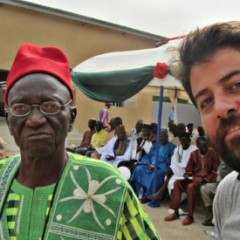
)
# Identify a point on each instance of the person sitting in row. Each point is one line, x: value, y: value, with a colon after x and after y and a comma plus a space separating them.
x: 174, y: 135
x: 118, y: 149
x: 153, y: 133
x: 181, y: 130
x: 142, y: 145
x: 200, y: 133
x: 201, y: 169
x: 114, y: 122
x: 99, y: 139
x: 190, y: 127
x: 86, y: 140
x: 176, y: 170
x: 143, y: 176
x: 136, y: 132
x: 208, y: 192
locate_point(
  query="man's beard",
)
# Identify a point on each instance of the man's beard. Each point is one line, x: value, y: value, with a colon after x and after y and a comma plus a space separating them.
x: 229, y: 152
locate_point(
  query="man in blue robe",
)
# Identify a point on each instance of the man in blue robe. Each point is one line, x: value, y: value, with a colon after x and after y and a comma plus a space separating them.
x: 143, y: 175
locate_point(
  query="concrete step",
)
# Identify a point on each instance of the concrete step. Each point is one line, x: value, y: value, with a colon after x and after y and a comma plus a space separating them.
x: 74, y: 137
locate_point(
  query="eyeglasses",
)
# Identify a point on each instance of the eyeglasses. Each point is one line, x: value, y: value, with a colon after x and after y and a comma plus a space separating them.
x: 46, y: 108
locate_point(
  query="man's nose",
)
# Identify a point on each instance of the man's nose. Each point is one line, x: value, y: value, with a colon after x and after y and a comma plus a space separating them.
x: 35, y: 118
x: 225, y: 106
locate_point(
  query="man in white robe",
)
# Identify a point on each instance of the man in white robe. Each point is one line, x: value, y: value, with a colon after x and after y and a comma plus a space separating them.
x: 179, y: 161
x: 118, y: 149
x: 176, y: 170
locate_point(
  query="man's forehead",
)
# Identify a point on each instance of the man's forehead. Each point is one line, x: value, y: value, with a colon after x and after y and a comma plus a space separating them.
x: 217, y: 68
x: 44, y: 83
x: 36, y: 79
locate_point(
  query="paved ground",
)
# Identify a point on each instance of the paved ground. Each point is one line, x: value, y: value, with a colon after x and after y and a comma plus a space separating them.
x: 175, y: 230
x: 167, y: 230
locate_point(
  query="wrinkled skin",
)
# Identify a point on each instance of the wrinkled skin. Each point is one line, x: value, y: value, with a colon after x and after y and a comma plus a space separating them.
x: 40, y: 137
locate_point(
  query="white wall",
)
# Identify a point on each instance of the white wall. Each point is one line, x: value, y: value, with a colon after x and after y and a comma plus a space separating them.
x: 186, y: 113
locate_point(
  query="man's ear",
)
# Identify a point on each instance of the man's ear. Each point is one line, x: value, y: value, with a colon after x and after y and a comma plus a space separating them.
x: 6, y: 117
x: 73, y: 114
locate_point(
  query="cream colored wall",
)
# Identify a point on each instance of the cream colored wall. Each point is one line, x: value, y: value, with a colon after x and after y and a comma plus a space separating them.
x: 89, y: 108
x: 79, y: 42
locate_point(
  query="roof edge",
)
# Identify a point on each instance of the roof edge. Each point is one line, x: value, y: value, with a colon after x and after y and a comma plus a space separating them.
x: 81, y: 18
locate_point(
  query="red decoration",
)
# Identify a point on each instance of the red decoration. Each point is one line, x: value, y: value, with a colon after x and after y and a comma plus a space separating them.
x: 160, y: 70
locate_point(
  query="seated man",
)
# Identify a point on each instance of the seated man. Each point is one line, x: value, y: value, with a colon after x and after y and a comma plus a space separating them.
x: 208, y: 191
x: 190, y: 127
x: 99, y: 139
x: 118, y: 148
x: 142, y: 145
x: 153, y: 133
x: 176, y: 170
x: 114, y: 122
x: 136, y: 132
x: 174, y: 135
x: 143, y: 176
x: 201, y: 169
x: 87, y: 137
x: 200, y: 133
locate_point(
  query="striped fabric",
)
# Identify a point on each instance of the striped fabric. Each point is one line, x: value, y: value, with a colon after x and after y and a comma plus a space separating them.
x: 49, y: 204
x: 12, y: 210
x: 13, y: 201
x: 135, y: 223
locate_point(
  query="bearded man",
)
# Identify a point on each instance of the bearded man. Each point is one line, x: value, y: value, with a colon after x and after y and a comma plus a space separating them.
x: 210, y: 73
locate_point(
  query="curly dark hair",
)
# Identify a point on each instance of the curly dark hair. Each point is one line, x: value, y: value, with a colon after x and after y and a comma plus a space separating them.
x: 199, y: 46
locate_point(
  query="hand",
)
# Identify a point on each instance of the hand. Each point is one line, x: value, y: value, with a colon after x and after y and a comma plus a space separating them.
x: 150, y: 167
x: 203, y: 181
x: 169, y: 172
x: 139, y: 149
x: 88, y: 148
x: 186, y: 178
x: 109, y: 158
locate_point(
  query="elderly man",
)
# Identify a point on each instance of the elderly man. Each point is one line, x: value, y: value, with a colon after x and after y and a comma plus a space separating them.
x: 136, y: 132
x: 99, y: 139
x: 86, y: 140
x: 55, y: 194
x: 143, y: 175
x: 89, y: 133
x: 176, y: 170
x: 119, y: 148
x: 201, y: 169
x: 142, y: 145
x: 210, y: 70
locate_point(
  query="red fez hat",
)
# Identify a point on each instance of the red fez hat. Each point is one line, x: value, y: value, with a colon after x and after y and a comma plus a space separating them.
x: 34, y: 59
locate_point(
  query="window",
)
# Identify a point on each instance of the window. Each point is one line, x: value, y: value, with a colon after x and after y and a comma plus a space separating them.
x: 129, y: 103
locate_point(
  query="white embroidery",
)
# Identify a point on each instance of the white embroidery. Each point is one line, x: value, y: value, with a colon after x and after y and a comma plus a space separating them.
x: 76, y: 168
x: 118, y: 181
x: 87, y: 206
x: 59, y: 217
x: 108, y: 222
